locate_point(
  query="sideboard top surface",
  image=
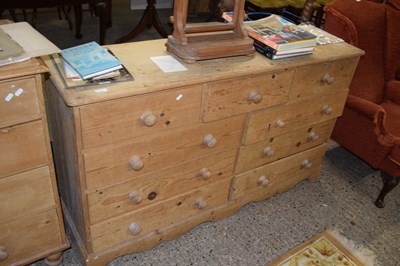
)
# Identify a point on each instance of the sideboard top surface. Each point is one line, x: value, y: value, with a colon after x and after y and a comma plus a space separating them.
x: 148, y: 77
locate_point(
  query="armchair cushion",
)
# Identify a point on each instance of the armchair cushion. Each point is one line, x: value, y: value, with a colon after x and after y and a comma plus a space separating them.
x: 393, y: 91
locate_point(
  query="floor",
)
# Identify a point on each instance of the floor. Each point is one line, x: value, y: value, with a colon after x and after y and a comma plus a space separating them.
x: 342, y: 197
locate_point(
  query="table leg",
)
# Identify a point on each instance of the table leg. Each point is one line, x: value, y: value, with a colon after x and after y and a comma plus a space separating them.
x: 101, y: 11
x: 78, y: 21
x: 149, y: 18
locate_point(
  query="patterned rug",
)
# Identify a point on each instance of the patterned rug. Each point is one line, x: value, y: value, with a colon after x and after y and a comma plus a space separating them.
x: 328, y: 248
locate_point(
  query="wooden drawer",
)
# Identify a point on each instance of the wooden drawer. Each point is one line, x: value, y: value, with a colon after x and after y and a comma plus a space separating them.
x: 19, y: 101
x: 146, y: 220
x: 135, y: 117
x: 237, y: 96
x: 280, y: 175
x: 25, y: 193
x: 162, y: 185
x: 108, y: 166
x: 323, y: 78
x: 22, y: 147
x: 30, y: 237
x: 271, y: 122
x: 278, y: 147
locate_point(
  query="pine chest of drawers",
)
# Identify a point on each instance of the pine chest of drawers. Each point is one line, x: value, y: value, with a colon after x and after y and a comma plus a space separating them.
x: 31, y: 223
x: 144, y: 161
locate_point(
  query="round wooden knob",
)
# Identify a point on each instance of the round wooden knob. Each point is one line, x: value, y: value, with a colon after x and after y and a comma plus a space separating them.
x: 255, y: 97
x: 268, y: 151
x: 210, y: 141
x: 3, y: 253
x: 306, y: 164
x: 148, y: 119
x: 135, y: 229
x: 280, y: 123
x: 204, y: 173
x: 313, y: 136
x: 201, y: 203
x: 135, y: 197
x: 136, y: 163
x: 326, y: 109
x: 263, y: 181
x: 327, y: 79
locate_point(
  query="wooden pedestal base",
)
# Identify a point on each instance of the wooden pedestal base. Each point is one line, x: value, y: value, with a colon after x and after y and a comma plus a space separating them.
x: 204, y: 46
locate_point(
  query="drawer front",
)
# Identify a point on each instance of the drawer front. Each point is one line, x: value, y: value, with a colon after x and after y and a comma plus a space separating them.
x: 279, y: 120
x: 238, y: 96
x: 139, y: 223
x: 108, y: 166
x: 22, y: 147
x: 25, y: 193
x: 19, y: 102
x: 29, y: 236
x: 280, y: 175
x: 323, y: 78
x: 135, y: 117
x: 157, y: 187
x: 275, y: 148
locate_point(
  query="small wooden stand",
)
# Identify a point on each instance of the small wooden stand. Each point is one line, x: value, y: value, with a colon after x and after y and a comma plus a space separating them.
x: 210, y: 40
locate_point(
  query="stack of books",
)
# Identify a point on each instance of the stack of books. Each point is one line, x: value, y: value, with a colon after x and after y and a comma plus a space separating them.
x: 89, y: 61
x: 276, y: 37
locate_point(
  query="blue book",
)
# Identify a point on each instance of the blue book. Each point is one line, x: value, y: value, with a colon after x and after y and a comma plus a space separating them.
x: 90, y: 60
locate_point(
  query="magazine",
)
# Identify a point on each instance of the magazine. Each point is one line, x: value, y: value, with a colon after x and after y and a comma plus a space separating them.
x: 280, y: 34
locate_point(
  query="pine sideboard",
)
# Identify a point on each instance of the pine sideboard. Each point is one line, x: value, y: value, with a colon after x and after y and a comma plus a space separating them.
x: 31, y: 222
x: 144, y: 161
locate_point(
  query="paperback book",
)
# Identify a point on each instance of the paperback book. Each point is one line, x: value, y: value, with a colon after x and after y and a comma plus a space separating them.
x: 71, y: 80
x: 90, y: 60
x: 279, y: 34
x: 273, y: 54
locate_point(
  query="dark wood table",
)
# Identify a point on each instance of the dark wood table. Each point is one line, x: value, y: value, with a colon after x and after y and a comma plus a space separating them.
x: 103, y: 9
x: 149, y: 18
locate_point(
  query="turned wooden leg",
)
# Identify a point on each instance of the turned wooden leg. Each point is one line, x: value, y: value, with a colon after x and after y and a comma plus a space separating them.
x: 389, y: 183
x: 54, y: 259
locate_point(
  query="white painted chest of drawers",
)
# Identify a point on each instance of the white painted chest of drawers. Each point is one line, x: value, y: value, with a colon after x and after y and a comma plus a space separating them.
x: 144, y: 161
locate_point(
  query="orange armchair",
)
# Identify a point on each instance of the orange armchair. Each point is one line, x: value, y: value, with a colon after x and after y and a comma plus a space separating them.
x: 370, y: 124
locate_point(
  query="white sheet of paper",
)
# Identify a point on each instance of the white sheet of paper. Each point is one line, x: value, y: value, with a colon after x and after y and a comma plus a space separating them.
x: 168, y: 63
x: 33, y: 42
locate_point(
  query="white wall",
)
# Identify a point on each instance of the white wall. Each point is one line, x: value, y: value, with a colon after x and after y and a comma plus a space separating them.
x: 141, y: 4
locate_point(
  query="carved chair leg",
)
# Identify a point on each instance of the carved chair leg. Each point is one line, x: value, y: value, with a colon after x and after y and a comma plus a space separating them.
x: 389, y: 183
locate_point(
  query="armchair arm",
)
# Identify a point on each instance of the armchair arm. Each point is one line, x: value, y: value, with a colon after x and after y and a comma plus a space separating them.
x: 375, y: 113
x: 393, y: 91
x: 363, y: 107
